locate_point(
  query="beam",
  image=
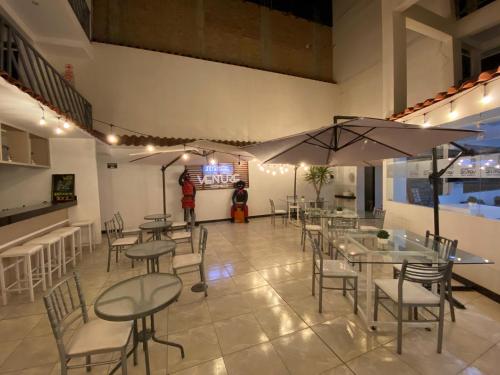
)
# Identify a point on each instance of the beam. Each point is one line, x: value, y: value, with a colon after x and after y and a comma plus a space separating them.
x: 480, y: 20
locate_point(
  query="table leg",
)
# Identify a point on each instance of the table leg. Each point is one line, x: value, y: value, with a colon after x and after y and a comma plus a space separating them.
x: 145, y: 345
x: 165, y: 342
x: 369, y: 300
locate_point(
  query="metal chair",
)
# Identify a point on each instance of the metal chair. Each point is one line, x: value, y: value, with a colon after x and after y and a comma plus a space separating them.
x: 309, y: 225
x: 116, y: 243
x: 379, y: 216
x: 125, y: 232
x: 184, y: 236
x: 332, y: 269
x: 338, y: 227
x: 66, y: 309
x: 194, y: 260
x: 407, y: 292
x: 274, y: 212
x: 446, y: 248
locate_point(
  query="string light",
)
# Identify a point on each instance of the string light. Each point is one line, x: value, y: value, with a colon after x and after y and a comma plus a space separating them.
x: 213, y: 161
x: 486, y: 99
x: 185, y: 156
x: 274, y: 173
x: 150, y: 148
x: 58, y: 131
x: 426, y: 123
x: 453, y: 113
x: 66, y: 124
x: 112, y: 138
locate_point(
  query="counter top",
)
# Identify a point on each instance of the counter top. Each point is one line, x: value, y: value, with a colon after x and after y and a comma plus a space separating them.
x: 22, y: 213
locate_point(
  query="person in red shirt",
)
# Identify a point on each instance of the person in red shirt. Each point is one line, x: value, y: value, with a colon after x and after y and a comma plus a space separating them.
x: 239, y: 199
x: 188, y: 196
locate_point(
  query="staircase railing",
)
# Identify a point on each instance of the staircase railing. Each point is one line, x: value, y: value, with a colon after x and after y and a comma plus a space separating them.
x: 23, y: 63
x: 82, y: 12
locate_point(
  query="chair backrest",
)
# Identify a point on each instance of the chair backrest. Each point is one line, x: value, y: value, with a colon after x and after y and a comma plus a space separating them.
x: 273, y: 208
x: 202, y: 244
x: 317, y: 253
x: 443, y: 245
x: 120, y: 224
x: 110, y: 228
x: 378, y: 213
x: 65, y: 305
x: 425, y: 274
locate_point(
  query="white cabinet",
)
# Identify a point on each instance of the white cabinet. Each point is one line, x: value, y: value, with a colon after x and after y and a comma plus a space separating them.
x: 21, y: 148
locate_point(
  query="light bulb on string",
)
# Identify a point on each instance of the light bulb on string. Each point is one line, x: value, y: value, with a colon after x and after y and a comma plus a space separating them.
x: 185, y: 156
x: 486, y: 99
x: 268, y: 171
x: 111, y: 137
x: 274, y: 173
x: 426, y: 122
x: 58, y: 131
x: 66, y: 124
x: 213, y: 161
x: 453, y: 114
x: 150, y: 148
x: 261, y: 168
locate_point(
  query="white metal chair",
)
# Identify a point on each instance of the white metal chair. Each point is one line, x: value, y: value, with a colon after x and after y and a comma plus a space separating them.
x: 194, y: 260
x: 445, y: 248
x: 66, y: 309
x: 33, y: 274
x: 277, y: 212
x: 408, y: 293
x: 338, y: 227
x: 52, y: 246
x: 126, y: 232
x: 116, y: 243
x: 332, y: 269
x: 311, y: 227
x: 184, y: 236
x: 378, y: 216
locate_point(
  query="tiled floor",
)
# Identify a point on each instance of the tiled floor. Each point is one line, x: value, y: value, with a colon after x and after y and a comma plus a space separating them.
x: 260, y: 318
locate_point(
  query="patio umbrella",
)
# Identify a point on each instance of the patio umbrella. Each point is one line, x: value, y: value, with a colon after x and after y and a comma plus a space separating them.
x: 361, y: 141
x: 196, y: 152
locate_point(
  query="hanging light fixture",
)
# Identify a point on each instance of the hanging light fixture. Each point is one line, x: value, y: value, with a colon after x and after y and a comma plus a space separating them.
x: 486, y: 99
x: 112, y: 138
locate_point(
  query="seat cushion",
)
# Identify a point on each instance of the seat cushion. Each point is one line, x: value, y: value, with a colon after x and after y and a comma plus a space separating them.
x: 65, y: 231
x: 19, y: 251
x: 280, y: 212
x: 131, y: 230
x: 177, y: 224
x: 337, y: 268
x: 44, y: 240
x: 412, y: 293
x: 181, y: 235
x: 82, y: 223
x: 125, y: 241
x: 313, y: 227
x: 186, y: 260
x: 99, y: 335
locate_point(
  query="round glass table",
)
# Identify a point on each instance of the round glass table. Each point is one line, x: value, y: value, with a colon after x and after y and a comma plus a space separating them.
x: 151, y: 251
x: 137, y: 298
x: 156, y: 227
x: 157, y: 217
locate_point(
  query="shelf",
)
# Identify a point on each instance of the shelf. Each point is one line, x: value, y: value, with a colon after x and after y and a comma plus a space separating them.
x: 16, y: 164
x: 22, y: 213
x: 345, y: 196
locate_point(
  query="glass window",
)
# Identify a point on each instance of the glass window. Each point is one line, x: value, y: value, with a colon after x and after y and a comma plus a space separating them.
x: 471, y: 185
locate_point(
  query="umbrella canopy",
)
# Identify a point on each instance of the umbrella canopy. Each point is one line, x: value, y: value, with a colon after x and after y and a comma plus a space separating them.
x: 355, y: 142
x: 197, y: 152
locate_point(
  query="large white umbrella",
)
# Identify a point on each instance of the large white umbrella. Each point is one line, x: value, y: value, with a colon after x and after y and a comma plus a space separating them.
x: 196, y: 152
x: 362, y: 140
x: 357, y: 141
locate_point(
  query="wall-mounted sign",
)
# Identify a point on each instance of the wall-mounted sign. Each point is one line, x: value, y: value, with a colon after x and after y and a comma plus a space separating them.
x: 63, y: 188
x: 218, y: 176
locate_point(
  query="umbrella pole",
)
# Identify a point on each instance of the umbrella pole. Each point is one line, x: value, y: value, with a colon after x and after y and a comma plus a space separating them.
x: 295, y: 185
x: 435, y: 191
x: 163, y: 168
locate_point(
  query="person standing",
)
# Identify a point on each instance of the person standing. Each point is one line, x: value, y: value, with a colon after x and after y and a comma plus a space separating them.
x: 188, y: 196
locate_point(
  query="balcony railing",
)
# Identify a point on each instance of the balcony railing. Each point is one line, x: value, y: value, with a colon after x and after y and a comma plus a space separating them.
x: 24, y: 64
x: 82, y: 12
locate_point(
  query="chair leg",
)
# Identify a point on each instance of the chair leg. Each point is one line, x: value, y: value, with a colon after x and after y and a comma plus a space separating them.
x: 88, y: 360
x: 192, y: 246
x: 343, y: 286
x: 2, y: 283
x: 109, y: 259
x: 29, y: 272
x: 124, y: 361
x: 441, y: 323
x: 202, y: 277
x: 450, y: 301
x: 117, y: 250
x: 355, y: 295
x: 400, y: 327
x: 313, y: 280
x: 375, y: 307
x: 320, y: 293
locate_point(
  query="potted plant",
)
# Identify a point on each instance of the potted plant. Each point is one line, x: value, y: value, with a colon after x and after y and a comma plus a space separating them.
x: 318, y: 176
x: 382, y: 238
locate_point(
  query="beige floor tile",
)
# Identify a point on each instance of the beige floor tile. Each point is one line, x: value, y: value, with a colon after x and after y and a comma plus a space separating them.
x: 307, y: 309
x: 291, y: 290
x: 346, y: 337
x: 260, y: 297
x: 14, y: 329
x: 227, y: 306
x: 221, y: 287
x: 239, y: 267
x: 339, y: 370
x: 249, y: 280
x: 304, y: 353
x: 200, y: 345
x: 380, y: 361
x: 42, y: 350
x: 475, y: 321
x: 259, y: 359
x: 6, y: 349
x: 276, y: 275
x: 279, y: 320
x: 216, y: 272
x: 239, y: 332
x: 486, y: 364
x: 299, y: 270
x: 214, y: 367
x: 183, y: 317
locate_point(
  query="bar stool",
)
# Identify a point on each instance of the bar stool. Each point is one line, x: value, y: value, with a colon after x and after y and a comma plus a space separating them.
x: 89, y: 225
x: 52, y: 245
x: 69, y: 233
x: 32, y: 275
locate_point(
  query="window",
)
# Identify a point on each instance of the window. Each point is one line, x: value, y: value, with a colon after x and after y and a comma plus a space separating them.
x: 471, y: 185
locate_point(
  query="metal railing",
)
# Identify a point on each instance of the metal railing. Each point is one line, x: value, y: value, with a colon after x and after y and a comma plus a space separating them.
x: 23, y: 63
x: 82, y: 12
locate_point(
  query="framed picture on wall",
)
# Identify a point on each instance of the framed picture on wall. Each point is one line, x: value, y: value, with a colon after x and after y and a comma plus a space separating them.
x: 63, y: 188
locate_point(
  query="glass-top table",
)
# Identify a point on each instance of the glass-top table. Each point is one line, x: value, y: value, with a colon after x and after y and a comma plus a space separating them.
x: 151, y: 251
x: 137, y: 298
x: 157, y: 216
x: 361, y: 247
x: 156, y: 227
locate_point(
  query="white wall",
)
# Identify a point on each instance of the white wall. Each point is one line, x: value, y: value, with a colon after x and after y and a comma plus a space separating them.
x: 174, y: 96
x: 135, y: 190
x: 27, y: 186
